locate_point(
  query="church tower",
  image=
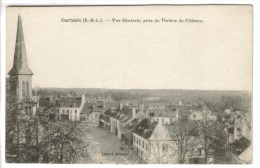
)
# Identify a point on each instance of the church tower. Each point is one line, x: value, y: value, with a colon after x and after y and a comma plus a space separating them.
x: 20, y: 74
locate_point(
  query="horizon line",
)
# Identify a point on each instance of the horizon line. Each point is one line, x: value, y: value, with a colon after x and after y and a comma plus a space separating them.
x: 34, y: 87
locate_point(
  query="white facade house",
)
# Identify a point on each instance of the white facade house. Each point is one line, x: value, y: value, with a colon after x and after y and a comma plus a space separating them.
x: 71, y: 107
x: 72, y: 112
x: 163, y: 116
x: 153, y: 143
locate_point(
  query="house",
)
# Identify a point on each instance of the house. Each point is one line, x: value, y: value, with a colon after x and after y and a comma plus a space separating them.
x: 240, y: 150
x: 163, y: 116
x: 100, y: 108
x: 129, y: 114
x: 71, y: 107
x: 104, y: 119
x: 237, y: 124
x: 129, y: 128
x: 124, y: 103
x: 195, y: 113
x: 91, y: 112
x: 152, y: 142
x: 122, y: 117
x: 184, y: 112
x: 85, y: 114
x: 245, y: 157
x: 95, y: 114
x: 151, y: 105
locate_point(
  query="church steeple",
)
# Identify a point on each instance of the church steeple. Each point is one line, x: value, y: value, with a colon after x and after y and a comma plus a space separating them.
x: 20, y: 74
x: 20, y: 64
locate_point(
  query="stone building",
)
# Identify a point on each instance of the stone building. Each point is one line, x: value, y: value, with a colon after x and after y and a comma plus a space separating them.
x: 20, y: 76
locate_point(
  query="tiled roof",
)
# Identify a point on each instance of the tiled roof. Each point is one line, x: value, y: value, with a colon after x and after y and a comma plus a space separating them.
x: 163, y: 113
x: 87, y: 108
x: 188, y: 109
x: 132, y: 125
x: 240, y: 145
x: 125, y: 114
x: 97, y: 109
x: 111, y: 112
x: 112, y: 105
x: 49, y: 101
x: 70, y: 101
x: 104, y: 117
x: 145, y: 128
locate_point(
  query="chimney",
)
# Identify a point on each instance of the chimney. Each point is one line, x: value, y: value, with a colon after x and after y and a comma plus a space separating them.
x: 133, y: 112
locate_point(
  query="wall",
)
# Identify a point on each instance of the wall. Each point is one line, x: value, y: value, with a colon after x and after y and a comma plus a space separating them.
x: 16, y: 82
x: 73, y: 112
x: 163, y: 120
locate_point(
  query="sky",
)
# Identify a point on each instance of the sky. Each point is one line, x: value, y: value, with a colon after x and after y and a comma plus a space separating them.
x: 215, y: 54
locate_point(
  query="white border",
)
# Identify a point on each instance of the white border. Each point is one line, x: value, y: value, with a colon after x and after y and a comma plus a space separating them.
x: 256, y: 69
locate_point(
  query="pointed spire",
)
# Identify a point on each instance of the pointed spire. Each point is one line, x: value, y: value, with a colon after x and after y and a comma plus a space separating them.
x: 20, y: 65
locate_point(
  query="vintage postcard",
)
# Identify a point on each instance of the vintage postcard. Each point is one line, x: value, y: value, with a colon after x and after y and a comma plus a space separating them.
x: 150, y: 84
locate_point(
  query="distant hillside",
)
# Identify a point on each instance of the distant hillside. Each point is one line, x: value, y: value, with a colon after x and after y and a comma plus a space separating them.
x: 138, y: 94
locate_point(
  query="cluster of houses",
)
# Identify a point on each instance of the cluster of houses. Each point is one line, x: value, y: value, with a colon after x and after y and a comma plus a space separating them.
x: 238, y: 129
x: 142, y: 126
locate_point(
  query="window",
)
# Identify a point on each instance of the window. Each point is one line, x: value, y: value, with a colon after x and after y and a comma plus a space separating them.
x: 165, y: 147
x: 199, y: 151
x: 27, y: 89
x: 67, y: 111
x: 23, y: 89
x: 76, y: 111
x: 63, y: 111
x: 143, y: 144
x: 162, y: 120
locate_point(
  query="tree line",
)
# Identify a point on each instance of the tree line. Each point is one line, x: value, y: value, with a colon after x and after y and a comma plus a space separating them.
x: 35, y: 139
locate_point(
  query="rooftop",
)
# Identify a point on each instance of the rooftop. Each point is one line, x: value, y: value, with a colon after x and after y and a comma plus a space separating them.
x: 145, y: 128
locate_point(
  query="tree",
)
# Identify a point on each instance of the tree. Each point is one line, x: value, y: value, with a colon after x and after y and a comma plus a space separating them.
x: 207, y: 135
x: 213, y: 139
x: 157, y: 152
x: 185, y: 135
x: 63, y: 143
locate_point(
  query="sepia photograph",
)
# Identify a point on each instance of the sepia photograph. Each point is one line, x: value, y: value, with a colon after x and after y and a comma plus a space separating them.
x: 141, y: 84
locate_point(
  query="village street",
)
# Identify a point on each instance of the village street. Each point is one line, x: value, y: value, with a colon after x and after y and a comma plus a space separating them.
x: 105, y: 148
